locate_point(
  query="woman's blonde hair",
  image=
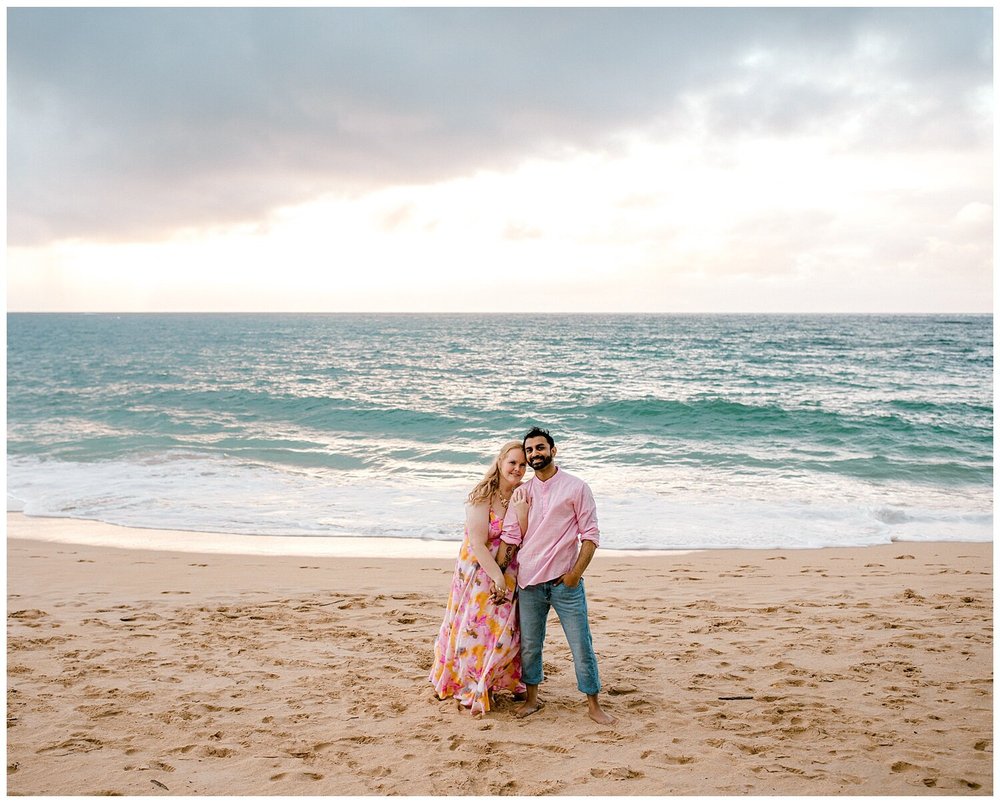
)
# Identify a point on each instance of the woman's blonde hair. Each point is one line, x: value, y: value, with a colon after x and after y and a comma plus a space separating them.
x: 490, y: 482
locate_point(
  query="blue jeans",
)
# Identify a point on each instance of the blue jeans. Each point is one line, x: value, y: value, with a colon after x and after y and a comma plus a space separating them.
x: 533, y: 603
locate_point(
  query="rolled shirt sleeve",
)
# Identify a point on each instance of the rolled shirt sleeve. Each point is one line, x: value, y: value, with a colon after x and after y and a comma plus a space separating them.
x: 511, y: 532
x: 586, y: 515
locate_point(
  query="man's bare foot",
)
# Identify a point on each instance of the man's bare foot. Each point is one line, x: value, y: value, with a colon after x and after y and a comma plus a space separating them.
x: 602, y: 717
x: 528, y: 709
x: 598, y: 714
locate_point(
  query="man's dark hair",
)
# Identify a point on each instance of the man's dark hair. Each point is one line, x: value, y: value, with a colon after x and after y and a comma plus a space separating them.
x: 535, y: 432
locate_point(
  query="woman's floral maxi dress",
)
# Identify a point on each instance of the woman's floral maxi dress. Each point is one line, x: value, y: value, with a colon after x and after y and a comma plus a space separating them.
x: 478, y: 648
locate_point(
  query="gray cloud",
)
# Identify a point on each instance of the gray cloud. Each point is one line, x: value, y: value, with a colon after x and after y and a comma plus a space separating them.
x: 125, y: 123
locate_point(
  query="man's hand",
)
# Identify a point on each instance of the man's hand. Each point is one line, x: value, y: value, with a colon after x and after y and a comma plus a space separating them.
x: 572, y: 578
x: 569, y: 580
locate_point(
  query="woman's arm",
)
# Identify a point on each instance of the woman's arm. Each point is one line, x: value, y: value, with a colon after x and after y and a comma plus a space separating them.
x: 477, y: 519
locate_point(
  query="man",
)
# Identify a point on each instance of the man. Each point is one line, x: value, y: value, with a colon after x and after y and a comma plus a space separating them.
x: 560, y: 541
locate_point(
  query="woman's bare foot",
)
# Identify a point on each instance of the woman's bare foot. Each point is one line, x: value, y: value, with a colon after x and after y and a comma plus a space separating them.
x: 598, y: 714
x: 468, y: 709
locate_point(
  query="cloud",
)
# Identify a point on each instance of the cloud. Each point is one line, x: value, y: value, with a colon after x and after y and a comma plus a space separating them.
x: 129, y: 123
x: 515, y: 230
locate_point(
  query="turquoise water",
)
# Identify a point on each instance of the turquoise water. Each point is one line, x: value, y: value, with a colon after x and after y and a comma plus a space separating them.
x: 694, y: 431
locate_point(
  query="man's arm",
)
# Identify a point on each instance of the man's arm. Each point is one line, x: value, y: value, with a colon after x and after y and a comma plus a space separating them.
x: 514, y: 525
x: 590, y: 536
x: 511, y: 530
x: 586, y: 516
x: 505, y: 554
x: 572, y: 577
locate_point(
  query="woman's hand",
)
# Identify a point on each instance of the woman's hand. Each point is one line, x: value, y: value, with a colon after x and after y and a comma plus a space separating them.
x: 498, y: 593
x: 519, y: 499
x: 521, y: 502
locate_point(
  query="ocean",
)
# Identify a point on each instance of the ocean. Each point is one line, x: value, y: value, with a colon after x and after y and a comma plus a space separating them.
x: 694, y: 431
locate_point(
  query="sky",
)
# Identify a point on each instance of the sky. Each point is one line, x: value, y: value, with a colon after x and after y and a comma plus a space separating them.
x: 500, y: 159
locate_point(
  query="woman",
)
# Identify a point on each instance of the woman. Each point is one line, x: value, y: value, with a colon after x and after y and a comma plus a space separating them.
x: 477, y: 650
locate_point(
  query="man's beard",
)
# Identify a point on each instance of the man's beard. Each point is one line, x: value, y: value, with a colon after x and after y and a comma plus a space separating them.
x: 540, y: 463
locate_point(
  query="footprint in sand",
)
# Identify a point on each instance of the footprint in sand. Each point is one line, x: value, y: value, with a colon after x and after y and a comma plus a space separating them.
x: 366, y: 739
x: 29, y: 615
x: 312, y: 776
x: 665, y: 758
x: 77, y: 745
x: 617, y: 773
x: 906, y: 767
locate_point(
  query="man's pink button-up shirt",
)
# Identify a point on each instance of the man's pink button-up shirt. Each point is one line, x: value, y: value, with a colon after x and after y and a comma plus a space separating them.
x: 562, y: 513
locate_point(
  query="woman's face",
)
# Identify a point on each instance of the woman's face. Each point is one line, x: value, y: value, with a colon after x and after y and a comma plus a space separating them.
x: 512, y: 466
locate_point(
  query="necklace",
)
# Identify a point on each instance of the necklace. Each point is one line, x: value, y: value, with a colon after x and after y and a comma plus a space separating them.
x: 503, y: 501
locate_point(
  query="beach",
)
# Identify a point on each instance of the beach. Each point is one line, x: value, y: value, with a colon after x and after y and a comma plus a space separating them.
x: 139, y: 671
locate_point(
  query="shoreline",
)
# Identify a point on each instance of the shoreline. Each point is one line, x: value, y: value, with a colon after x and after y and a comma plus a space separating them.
x: 92, y: 532
x: 840, y: 671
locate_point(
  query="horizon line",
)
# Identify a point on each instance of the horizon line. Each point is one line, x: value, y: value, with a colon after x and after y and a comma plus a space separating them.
x: 492, y: 312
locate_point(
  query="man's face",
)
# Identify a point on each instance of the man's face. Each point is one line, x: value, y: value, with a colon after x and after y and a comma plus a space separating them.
x: 538, y: 452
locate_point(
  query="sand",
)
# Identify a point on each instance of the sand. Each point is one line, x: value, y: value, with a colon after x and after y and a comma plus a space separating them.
x: 835, y: 671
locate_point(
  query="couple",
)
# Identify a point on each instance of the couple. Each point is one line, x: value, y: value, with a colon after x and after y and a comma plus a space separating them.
x: 501, y: 594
